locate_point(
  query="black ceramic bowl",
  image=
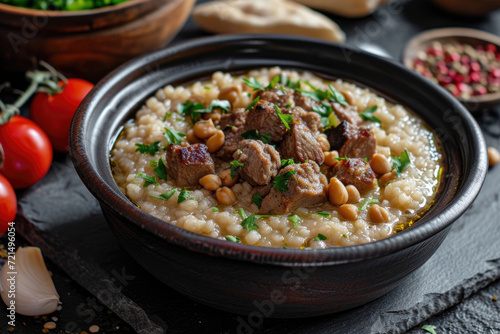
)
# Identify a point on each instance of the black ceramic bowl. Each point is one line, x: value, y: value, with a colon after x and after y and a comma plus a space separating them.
x: 274, y: 282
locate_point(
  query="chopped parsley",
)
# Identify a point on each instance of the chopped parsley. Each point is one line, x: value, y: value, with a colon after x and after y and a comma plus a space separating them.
x: 161, y: 170
x: 327, y: 117
x: 167, y: 114
x: 320, y: 95
x: 147, y: 179
x: 184, y: 195
x: 207, y: 88
x: 215, y: 209
x: 173, y: 137
x: 150, y: 149
x: 166, y: 196
x: 257, y: 199
x: 341, y: 158
x: 232, y: 238
x: 252, y: 83
x: 429, y: 328
x: 281, y: 181
x: 253, y: 103
x: 286, y: 162
x: 368, y: 115
x: 241, y: 212
x: 256, y: 135
x: 366, y: 202
x: 295, y: 220
x: 320, y: 237
x: 323, y: 214
x: 234, y: 164
x: 153, y: 163
x: 337, y: 96
x: 401, y: 162
x: 193, y: 110
x: 219, y: 104
x: 285, y: 81
x: 287, y: 119
x: 249, y: 222
x: 273, y: 82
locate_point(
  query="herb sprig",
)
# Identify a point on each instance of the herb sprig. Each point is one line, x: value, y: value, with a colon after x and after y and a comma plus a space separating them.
x: 235, y: 164
x: 249, y: 222
x: 401, y: 162
x: 281, y: 181
x: 368, y: 115
x: 174, y: 137
x: 150, y: 149
x: 257, y: 199
x: 366, y: 202
x: 161, y: 170
x: 320, y: 237
x: 256, y: 135
x: 287, y: 119
x: 193, y: 110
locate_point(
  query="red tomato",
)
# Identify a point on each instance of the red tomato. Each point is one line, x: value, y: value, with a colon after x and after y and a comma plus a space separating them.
x: 8, y: 204
x: 54, y: 112
x: 28, y: 153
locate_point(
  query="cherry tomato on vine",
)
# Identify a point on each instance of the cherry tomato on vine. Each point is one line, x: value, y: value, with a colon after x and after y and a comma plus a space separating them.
x: 27, y: 149
x: 53, y: 113
x: 8, y: 204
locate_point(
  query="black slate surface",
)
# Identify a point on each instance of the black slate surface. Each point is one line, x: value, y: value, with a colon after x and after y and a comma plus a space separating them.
x: 60, y: 216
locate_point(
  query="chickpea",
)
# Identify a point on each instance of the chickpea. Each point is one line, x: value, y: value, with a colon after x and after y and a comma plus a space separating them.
x: 349, y: 98
x: 215, y: 142
x: 230, y: 94
x: 323, y: 142
x: 493, y: 156
x: 204, y: 129
x: 330, y: 158
x: 337, y: 194
x: 353, y: 194
x: 214, y: 116
x: 349, y: 211
x: 378, y: 214
x: 191, y: 138
x: 226, y: 178
x: 210, y: 182
x: 380, y: 164
x: 225, y: 196
x: 387, y: 177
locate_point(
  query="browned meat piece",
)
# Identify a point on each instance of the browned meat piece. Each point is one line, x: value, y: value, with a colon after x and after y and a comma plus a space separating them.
x: 260, y: 162
x: 281, y: 98
x: 262, y: 190
x: 304, y: 102
x: 356, y: 172
x: 236, y: 118
x: 309, y: 118
x: 232, y: 138
x: 263, y: 117
x: 352, y: 141
x: 306, y: 188
x: 186, y: 165
x: 347, y: 113
x: 300, y: 144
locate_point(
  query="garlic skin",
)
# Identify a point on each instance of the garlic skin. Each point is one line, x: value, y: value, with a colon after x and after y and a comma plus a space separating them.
x: 35, y: 293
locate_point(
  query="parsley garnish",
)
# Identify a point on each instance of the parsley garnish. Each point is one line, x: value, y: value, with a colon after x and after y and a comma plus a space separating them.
x: 337, y: 96
x: 234, y: 164
x: 327, y: 117
x: 342, y: 158
x: 207, y: 87
x: 323, y: 214
x: 401, y: 162
x: 257, y: 199
x: 148, y: 179
x: 273, y: 82
x: 161, y: 170
x: 166, y: 195
x: 429, y: 328
x: 173, y: 137
x: 193, y: 110
x: 295, y: 220
x: 256, y: 135
x: 252, y: 83
x: 241, y: 212
x: 286, y: 162
x: 249, y: 222
x: 215, y: 209
x: 281, y: 181
x: 285, y: 118
x: 150, y: 149
x: 232, y: 238
x: 320, y: 95
x: 368, y: 115
x: 153, y: 163
x: 366, y: 202
x: 320, y: 237
x: 253, y: 103
x: 219, y: 104
x: 285, y: 81
x: 184, y: 195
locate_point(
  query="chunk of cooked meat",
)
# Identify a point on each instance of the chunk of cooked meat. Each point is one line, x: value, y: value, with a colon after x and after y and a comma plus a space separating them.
x: 306, y: 188
x: 261, y: 162
x: 347, y: 113
x: 232, y: 138
x: 300, y: 144
x: 352, y: 141
x: 304, y: 102
x: 186, y: 165
x: 237, y: 118
x: 264, y: 118
x: 309, y: 118
x: 280, y: 97
x: 356, y: 172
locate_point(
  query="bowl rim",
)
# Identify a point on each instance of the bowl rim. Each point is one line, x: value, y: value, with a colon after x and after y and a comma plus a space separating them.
x: 429, y: 36
x: 264, y: 255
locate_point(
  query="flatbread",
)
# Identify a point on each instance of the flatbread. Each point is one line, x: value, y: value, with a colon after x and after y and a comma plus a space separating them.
x: 265, y: 16
x: 349, y: 8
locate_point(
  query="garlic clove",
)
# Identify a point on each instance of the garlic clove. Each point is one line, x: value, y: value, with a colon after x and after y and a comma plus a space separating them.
x: 28, y: 286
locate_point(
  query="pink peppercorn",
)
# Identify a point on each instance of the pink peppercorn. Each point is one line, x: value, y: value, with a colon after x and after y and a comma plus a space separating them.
x: 491, y: 47
x: 474, y: 66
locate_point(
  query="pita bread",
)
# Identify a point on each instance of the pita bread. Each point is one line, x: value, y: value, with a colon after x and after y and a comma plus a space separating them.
x: 349, y: 8
x: 265, y: 16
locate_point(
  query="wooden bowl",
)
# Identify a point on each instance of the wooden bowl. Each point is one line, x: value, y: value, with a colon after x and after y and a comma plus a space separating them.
x: 90, y: 43
x: 468, y: 7
x: 273, y: 281
x: 459, y: 35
